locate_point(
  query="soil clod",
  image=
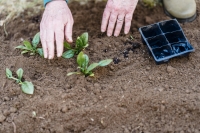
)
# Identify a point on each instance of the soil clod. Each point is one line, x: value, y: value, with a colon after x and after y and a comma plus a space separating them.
x: 116, y: 60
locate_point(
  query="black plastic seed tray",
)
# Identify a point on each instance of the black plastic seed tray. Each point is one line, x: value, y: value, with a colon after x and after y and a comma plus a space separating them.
x: 165, y: 40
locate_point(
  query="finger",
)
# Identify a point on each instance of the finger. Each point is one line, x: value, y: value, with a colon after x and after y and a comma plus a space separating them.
x: 111, y: 25
x: 44, y: 44
x: 50, y: 40
x: 128, y: 20
x: 43, y: 36
x: 120, y: 21
x: 105, y: 19
x: 68, y: 30
x: 59, y: 36
x: 59, y: 33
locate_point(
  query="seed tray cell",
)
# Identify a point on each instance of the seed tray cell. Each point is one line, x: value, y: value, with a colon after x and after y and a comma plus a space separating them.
x: 165, y: 40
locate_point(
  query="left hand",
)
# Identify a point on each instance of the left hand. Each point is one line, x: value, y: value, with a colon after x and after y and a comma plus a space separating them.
x: 118, y: 11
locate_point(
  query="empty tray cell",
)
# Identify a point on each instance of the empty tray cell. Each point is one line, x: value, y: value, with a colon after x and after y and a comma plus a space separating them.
x: 169, y: 26
x: 163, y: 52
x: 175, y: 37
x: 151, y: 30
x: 181, y: 47
x: 158, y: 41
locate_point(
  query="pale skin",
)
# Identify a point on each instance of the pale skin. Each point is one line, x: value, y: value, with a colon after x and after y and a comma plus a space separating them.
x: 57, y: 23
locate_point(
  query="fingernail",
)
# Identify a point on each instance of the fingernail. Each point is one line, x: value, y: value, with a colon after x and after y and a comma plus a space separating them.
x: 115, y: 35
x: 50, y: 56
x: 109, y: 34
x: 59, y: 55
x: 103, y: 30
x: 126, y: 32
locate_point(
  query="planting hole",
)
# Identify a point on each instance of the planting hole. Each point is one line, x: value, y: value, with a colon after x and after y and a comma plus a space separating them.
x: 169, y: 26
x: 181, y: 47
x: 175, y: 37
x: 151, y: 30
x: 158, y: 41
x: 162, y: 52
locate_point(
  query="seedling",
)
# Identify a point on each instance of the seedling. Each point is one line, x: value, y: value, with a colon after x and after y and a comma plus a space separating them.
x: 131, y: 37
x: 151, y: 3
x: 27, y: 87
x: 81, y: 44
x: 86, y: 70
x: 31, y: 48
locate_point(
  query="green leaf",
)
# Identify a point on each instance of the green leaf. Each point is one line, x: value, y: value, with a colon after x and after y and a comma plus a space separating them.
x: 82, y: 60
x: 67, y: 45
x: 86, y: 61
x: 71, y: 73
x: 36, y: 40
x: 105, y: 62
x: 86, y: 45
x: 25, y: 51
x: 92, y: 66
x: 20, y: 73
x: 68, y: 54
x: 27, y: 87
x: 8, y: 73
x: 22, y: 47
x: 40, y: 52
x: 28, y: 45
x: 79, y: 43
x: 84, y: 39
x: 91, y: 75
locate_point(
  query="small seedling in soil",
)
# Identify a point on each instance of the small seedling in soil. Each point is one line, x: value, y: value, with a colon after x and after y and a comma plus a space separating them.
x: 27, y: 87
x: 86, y: 70
x: 151, y: 3
x: 81, y: 44
x: 34, y: 114
x: 131, y: 37
x: 31, y: 48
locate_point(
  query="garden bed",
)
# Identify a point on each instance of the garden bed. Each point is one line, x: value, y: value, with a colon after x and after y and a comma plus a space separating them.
x: 133, y: 94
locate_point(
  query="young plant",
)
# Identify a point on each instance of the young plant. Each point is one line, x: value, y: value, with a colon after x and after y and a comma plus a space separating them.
x: 81, y: 44
x: 86, y: 70
x: 31, y: 48
x: 27, y: 87
x: 151, y: 3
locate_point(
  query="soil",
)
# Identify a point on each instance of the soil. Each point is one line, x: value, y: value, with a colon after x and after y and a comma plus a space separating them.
x: 132, y: 95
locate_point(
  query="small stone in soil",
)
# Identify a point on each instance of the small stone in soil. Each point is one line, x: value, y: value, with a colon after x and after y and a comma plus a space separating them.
x: 2, y: 117
x: 13, y: 110
x: 64, y: 109
x: 171, y: 70
x: 6, y: 98
x: 135, y: 45
x: 112, y: 68
x: 125, y: 54
x: 6, y: 112
x: 116, y: 60
x: 148, y: 68
x: 105, y: 50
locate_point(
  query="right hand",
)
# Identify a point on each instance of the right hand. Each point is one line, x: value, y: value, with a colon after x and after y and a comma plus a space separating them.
x: 115, y: 14
x: 56, y: 24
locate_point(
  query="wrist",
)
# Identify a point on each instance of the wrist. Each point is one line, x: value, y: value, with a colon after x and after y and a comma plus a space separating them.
x: 47, y: 1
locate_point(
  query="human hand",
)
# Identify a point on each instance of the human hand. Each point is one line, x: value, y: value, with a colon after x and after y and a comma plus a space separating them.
x: 118, y: 11
x: 56, y: 24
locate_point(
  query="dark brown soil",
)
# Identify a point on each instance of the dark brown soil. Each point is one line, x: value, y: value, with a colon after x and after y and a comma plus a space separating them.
x: 133, y: 96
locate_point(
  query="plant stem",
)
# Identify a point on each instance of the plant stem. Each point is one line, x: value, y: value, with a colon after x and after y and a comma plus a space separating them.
x: 16, y: 79
x: 4, y: 27
x: 131, y: 38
